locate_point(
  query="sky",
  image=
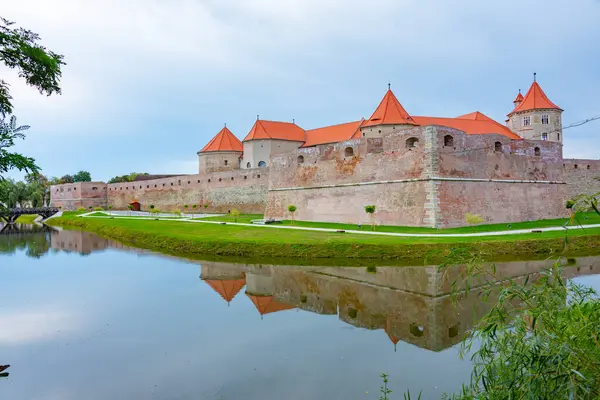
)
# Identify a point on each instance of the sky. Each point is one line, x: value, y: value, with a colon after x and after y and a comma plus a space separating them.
x: 149, y: 82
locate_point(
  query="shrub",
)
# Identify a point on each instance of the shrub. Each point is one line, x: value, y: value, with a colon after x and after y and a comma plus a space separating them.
x: 474, y: 219
x: 81, y: 209
x: 98, y: 209
x: 152, y: 206
x: 176, y: 211
x: 292, y: 209
x: 235, y: 213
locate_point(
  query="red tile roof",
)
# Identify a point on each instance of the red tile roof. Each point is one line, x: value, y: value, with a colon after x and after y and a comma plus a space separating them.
x: 333, y: 133
x: 224, y: 141
x: 276, y: 130
x: 519, y: 97
x: 267, y: 304
x: 228, y: 289
x: 473, y: 124
x: 535, y: 99
x: 390, y: 112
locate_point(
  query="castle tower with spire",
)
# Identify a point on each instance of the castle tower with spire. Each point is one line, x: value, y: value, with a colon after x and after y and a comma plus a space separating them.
x: 388, y: 116
x: 535, y: 117
x: 222, y: 153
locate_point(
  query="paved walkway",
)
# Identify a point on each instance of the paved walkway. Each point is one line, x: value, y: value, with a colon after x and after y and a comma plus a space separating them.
x: 143, y: 215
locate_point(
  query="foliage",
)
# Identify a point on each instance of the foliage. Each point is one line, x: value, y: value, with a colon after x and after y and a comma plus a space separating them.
x: 292, y: 210
x: 384, y: 390
x: 205, y: 206
x: 154, y: 210
x: 585, y: 202
x: 82, y: 176
x: 151, y: 206
x: 185, y: 206
x: 127, y: 178
x: 540, y: 340
x: 20, y: 194
x: 9, y: 132
x: 98, y: 209
x: 42, y: 185
x: 19, y: 49
x: 235, y: 213
x: 66, y: 179
x: 176, y: 211
x: 474, y: 219
x: 81, y: 209
x: 370, y: 210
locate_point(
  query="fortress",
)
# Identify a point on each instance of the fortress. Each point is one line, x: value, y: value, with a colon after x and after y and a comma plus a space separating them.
x: 417, y: 170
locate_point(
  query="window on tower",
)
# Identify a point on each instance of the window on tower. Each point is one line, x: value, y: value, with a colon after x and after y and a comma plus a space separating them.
x: 545, y: 119
x: 527, y: 121
x: 544, y: 136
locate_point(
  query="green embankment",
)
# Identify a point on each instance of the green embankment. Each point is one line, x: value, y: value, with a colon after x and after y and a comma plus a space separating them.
x: 195, y: 239
x: 580, y: 219
x: 27, y: 218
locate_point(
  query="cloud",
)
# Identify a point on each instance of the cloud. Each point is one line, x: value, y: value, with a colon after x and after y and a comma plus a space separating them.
x: 153, y: 71
x: 20, y: 327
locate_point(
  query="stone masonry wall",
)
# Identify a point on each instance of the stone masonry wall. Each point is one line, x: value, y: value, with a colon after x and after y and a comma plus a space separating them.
x: 72, y: 196
x: 583, y: 176
x: 245, y: 190
x: 435, y: 183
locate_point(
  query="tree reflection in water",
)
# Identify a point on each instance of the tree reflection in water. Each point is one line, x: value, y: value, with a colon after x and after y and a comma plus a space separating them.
x: 2, y: 369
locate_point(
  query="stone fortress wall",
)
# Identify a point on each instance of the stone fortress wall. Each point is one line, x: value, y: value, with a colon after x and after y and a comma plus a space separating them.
x: 445, y: 175
x: 431, y: 184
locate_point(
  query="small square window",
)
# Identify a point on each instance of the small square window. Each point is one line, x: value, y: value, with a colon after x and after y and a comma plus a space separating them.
x: 527, y: 121
x: 545, y: 119
x: 544, y: 136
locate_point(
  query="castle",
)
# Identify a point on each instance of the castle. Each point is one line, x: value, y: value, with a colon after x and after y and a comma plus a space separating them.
x: 417, y: 170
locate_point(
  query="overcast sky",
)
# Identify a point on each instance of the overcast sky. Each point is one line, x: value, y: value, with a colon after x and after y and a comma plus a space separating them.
x: 149, y: 82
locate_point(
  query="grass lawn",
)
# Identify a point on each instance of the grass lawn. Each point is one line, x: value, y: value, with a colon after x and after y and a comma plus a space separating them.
x: 229, y: 240
x: 27, y: 218
x: 581, y: 218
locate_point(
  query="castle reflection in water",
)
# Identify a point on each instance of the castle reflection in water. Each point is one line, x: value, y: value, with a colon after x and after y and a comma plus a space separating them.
x: 410, y: 304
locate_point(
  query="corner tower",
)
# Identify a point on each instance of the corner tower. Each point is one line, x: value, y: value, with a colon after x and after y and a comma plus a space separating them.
x: 388, y: 117
x: 222, y: 153
x: 535, y: 117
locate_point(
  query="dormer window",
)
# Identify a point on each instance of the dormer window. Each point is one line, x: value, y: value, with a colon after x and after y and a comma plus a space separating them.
x: 544, y: 136
x: 527, y: 121
x: 545, y: 119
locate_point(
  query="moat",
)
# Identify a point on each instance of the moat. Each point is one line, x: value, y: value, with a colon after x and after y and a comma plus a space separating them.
x: 82, y: 317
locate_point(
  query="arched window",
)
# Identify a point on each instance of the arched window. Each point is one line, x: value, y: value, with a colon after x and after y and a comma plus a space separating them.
x: 411, y: 143
x: 248, y: 165
x: 225, y: 162
x: 262, y: 164
x: 300, y: 159
x: 498, y: 147
x: 537, y: 151
x: 349, y: 152
x: 448, y: 141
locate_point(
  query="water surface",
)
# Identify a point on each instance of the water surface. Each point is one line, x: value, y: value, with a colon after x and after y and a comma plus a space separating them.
x: 82, y: 317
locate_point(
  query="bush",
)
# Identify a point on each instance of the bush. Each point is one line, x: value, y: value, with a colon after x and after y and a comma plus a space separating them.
x: 235, y: 213
x: 474, y: 219
x: 176, y: 211
x: 81, y: 209
x: 98, y: 209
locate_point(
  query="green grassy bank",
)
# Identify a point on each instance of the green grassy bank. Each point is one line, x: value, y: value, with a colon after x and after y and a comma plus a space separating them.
x: 27, y: 218
x: 196, y: 239
x: 582, y: 218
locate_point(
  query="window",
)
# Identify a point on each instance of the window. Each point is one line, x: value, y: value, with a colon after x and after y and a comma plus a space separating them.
x: 258, y: 176
x: 544, y: 136
x: 498, y: 147
x: 248, y: 165
x: 245, y: 177
x: 140, y: 186
x: 171, y: 183
x: 411, y: 143
x: 262, y: 164
x: 232, y: 178
x: 198, y: 180
x: 558, y: 136
x: 527, y: 121
x: 575, y: 166
x: 588, y: 167
x: 300, y: 159
x: 545, y: 119
x: 448, y: 141
x: 147, y: 186
x: 537, y: 151
x: 349, y: 152
x: 154, y: 185
x: 225, y: 162
x: 220, y: 179
x: 209, y: 181
x: 189, y: 182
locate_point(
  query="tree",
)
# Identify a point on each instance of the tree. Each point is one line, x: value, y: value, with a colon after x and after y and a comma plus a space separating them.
x: 370, y: 209
x: 43, y: 186
x: 235, y: 213
x: 18, y: 195
x: 41, y: 68
x: 9, y: 132
x: 292, y: 210
x: 66, y: 179
x: 82, y: 176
